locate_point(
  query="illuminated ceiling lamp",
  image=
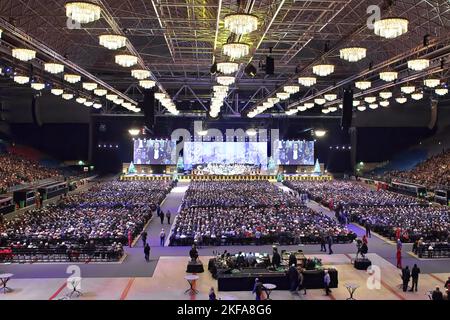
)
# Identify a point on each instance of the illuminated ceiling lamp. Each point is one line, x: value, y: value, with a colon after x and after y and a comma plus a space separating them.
x: 147, y: 84
x: 80, y: 100
x: 418, y: 64
x: 291, y: 89
x: 319, y: 101
x: 23, y: 54
x: 227, y: 67
x: 323, y: 70
x: 100, y: 92
x: 407, y: 89
x: 89, y: 86
x: 97, y: 105
x: 390, y: 28
x: 236, y: 50
x: 363, y: 85
x: 273, y: 101
x: 388, y: 76
x: 330, y: 96
x: 160, y: 95
x: 385, y: 94
x: 1, y: 31
x: 140, y: 74
x: 301, y: 108
x: 431, y: 82
x: 220, y: 89
x: 361, y: 108
x: 325, y: 110
x: 126, y: 60
x: 53, y: 68
x: 89, y: 103
x: 112, y: 41
x: 82, y: 11
x: 384, y: 103
x: 441, y: 91
x: 417, y: 95
x: 309, y: 105
x: 72, y: 78
x: 37, y: 86
x: 373, y: 106
x: 332, y: 108
x: 241, y: 23
x: 67, y: 96
x: 370, y: 99
x: 353, y: 54
x: 356, y: 103
x: 225, y: 80
x: 401, y: 100
x: 111, y: 97
x: 283, y: 95
x: 307, y: 81
x: 21, y: 79
x: 57, y: 91
x: 118, y: 101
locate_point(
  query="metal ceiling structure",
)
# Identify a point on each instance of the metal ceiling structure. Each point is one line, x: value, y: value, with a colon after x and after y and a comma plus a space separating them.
x: 179, y: 39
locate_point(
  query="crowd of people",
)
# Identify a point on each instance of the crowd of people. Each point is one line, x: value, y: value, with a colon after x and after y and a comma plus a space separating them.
x: 244, y: 212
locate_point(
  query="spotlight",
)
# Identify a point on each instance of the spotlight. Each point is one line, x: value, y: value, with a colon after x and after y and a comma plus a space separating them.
x: 250, y: 70
x: 320, y: 133
x: 213, y: 69
x: 134, y: 132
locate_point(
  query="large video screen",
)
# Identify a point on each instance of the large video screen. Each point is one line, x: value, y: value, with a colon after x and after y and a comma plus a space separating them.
x: 295, y: 152
x: 154, y: 151
x: 225, y: 152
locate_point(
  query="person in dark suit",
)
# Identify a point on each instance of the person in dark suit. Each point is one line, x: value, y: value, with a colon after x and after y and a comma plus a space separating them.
x: 368, y: 229
x: 147, y: 252
x: 406, y: 275
x: 193, y: 253
x: 144, y: 237
x: 437, y: 294
x: 292, y: 259
x: 293, y: 278
x: 415, y: 271
x: 330, y: 243
x: 276, y: 258
x: 323, y: 242
x: 168, y: 214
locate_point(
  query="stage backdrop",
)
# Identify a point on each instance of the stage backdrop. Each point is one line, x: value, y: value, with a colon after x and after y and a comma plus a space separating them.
x: 295, y: 152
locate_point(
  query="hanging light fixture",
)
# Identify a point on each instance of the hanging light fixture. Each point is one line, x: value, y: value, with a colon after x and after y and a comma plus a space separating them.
x: 225, y: 80
x: 67, y: 96
x: 373, y: 106
x: 323, y: 70
x: 160, y: 95
x: 330, y: 96
x: 147, y: 84
x: 418, y: 64
x: 118, y: 101
x: 1, y: 31
x: 88, y: 103
x: 325, y: 110
x: 53, y: 68
x: 361, y: 108
x: 441, y: 91
x: 407, y: 89
x: 356, y: 103
x: 72, y: 78
x: 37, y: 86
x: 283, y: 95
x: 417, y: 95
x: 227, y: 67
x: 309, y: 105
x: 100, y: 92
x: 241, y: 23
x: 291, y: 89
x: 370, y: 99
x: 140, y: 74
x: 126, y: 60
x: 97, y: 105
x: 273, y: 100
x: 431, y: 82
x: 363, y: 85
x: 236, y: 50
x: 320, y: 101
x: 23, y: 54
x: 385, y: 94
x: 401, y: 100
x: 307, y: 81
x: 82, y: 11
x: 112, y: 41
x: 220, y: 89
x: 384, y: 103
x: 80, y: 100
x: 388, y: 76
x: 111, y: 97
x: 332, y: 108
x: 353, y: 54
x: 57, y: 91
x: 301, y: 108
x: 390, y: 27
x: 89, y: 86
x: 21, y: 79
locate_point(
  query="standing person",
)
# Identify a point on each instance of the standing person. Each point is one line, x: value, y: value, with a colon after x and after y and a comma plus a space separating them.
x: 276, y: 258
x: 323, y: 243
x: 162, y: 237
x: 258, y: 289
x: 437, y: 294
x: 130, y: 238
x: 399, y: 244
x: 147, y: 252
x: 168, y: 214
x: 212, y: 294
x: 301, y: 278
x: 399, y: 259
x: 293, y: 278
x: 161, y: 216
x: 406, y: 275
x: 415, y: 277
x: 368, y: 229
x: 144, y: 237
x: 365, y: 240
x: 330, y: 243
x: 326, y: 282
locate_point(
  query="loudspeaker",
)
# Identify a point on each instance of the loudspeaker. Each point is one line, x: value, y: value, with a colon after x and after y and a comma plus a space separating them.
x: 347, y: 109
x: 35, y: 111
x: 433, y: 115
x: 270, y: 65
x: 148, y: 107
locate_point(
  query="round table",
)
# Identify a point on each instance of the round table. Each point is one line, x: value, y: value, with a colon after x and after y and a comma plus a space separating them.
x: 269, y: 288
x: 4, y: 278
x: 351, y: 288
x: 191, y: 278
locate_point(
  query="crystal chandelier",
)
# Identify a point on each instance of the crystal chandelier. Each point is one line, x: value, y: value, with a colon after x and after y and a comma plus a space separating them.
x: 97, y: 105
x: 417, y: 95
x: 370, y: 99
x: 390, y: 27
x: 227, y: 67
x: 353, y: 54
x: 160, y: 95
x: 67, y: 96
x: 355, y: 103
x: 100, y: 92
x: 126, y: 60
x: 220, y: 89
x: 388, y: 76
x: 80, y: 100
x: 363, y: 85
x: 373, y: 106
x: 273, y: 100
x: 431, y: 82
x: 326, y: 110
x: 112, y: 41
x: 126, y: 105
x: 309, y: 105
x: 384, y: 103
x: 441, y: 91
x: 290, y: 112
x: 307, y: 81
x: 385, y: 94
x: 82, y: 11
x: 361, y: 108
x: 21, y: 79
x: 236, y: 50
x: 225, y: 80
x: 37, y: 86
x: 267, y: 105
x: 88, y: 103
x: 330, y: 96
x: 147, y: 84
x: 407, y: 89
x: 23, y: 54
x: 111, y: 97
x: 332, y: 109
x: 320, y: 101
x: 118, y: 101
x: 53, y: 68
x: 72, y: 78
x: 291, y: 89
x: 140, y: 74
x: 323, y: 70
x: 282, y: 95
x: 301, y: 108
x: 418, y: 64
x: 401, y: 100
x: 89, y: 86
x: 57, y: 92
x: 241, y: 23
